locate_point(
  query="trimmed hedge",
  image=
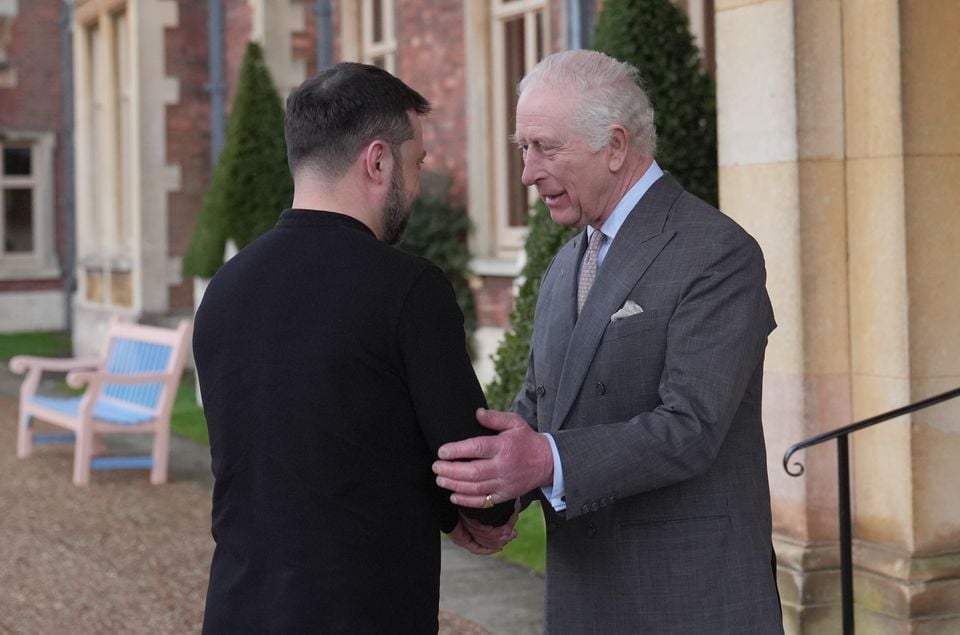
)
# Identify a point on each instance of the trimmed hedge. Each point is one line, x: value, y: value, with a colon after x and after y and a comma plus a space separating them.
x: 544, y: 239
x: 654, y: 36
x: 251, y: 183
x: 438, y: 231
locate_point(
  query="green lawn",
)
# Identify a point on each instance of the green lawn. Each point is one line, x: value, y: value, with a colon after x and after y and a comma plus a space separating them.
x: 38, y: 343
x: 187, y: 418
x: 527, y: 548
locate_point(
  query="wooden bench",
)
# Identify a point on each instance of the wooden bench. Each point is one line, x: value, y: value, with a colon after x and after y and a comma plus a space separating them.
x: 130, y: 388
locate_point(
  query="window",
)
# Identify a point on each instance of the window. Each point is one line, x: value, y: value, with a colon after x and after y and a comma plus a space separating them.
x: 106, y: 206
x: 701, y: 16
x: 26, y: 206
x: 8, y: 74
x: 369, y: 33
x: 518, y: 38
x: 505, y: 40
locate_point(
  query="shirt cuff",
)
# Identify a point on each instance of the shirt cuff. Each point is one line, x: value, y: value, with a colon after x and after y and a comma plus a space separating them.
x: 554, y: 493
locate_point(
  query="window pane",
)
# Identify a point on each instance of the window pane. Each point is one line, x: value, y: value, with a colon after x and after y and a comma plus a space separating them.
x: 540, y: 30
x: 16, y: 161
x: 514, y: 61
x: 18, y: 220
x: 377, y: 16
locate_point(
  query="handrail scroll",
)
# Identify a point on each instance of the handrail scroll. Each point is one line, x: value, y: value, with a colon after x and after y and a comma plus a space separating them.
x: 843, y: 485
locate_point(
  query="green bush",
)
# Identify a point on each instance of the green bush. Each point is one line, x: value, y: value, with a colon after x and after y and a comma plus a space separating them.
x: 438, y: 232
x: 544, y: 239
x: 654, y: 36
x: 251, y: 183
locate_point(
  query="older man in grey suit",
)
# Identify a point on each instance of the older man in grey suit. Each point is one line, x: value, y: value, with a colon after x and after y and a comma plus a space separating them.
x: 639, y: 421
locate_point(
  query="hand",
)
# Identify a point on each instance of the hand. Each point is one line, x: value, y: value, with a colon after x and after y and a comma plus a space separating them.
x: 492, y: 537
x: 505, y: 466
x: 463, y: 538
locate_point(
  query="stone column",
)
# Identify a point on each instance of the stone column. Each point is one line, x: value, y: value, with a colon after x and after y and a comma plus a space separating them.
x: 904, y: 197
x: 839, y: 150
x: 781, y: 152
x: 274, y: 22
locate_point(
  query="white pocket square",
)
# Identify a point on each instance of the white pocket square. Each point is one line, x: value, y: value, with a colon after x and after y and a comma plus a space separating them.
x: 629, y: 308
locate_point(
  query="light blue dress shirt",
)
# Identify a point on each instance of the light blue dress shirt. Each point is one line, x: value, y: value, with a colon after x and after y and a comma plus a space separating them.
x: 610, y: 227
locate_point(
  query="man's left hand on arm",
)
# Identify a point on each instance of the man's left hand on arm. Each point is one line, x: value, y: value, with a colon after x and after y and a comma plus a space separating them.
x: 505, y: 466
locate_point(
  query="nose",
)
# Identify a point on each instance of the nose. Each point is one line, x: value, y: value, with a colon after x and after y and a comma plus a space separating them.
x: 531, y: 170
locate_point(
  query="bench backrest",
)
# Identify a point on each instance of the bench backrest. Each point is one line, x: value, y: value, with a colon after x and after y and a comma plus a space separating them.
x: 133, y: 349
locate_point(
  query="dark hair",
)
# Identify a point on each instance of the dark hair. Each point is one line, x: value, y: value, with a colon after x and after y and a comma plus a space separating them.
x: 333, y: 115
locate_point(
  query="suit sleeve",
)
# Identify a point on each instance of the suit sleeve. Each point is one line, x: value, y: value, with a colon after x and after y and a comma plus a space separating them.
x: 716, y: 337
x: 443, y: 387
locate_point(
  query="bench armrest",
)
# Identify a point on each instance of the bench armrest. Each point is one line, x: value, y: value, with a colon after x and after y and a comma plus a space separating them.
x: 20, y: 364
x: 77, y: 378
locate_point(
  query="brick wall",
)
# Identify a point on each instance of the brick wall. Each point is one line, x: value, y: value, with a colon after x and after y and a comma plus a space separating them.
x: 238, y: 25
x: 431, y: 60
x: 188, y: 133
x: 494, y: 300
x: 35, y: 102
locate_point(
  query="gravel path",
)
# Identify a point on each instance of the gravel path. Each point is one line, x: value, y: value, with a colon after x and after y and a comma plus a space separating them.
x: 118, y: 556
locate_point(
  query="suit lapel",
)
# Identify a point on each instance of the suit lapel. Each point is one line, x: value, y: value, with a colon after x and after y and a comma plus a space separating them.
x: 640, y: 240
x: 569, y: 263
x: 558, y: 303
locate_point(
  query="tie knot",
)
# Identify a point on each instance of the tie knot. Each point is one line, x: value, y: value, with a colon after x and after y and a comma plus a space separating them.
x: 596, y: 240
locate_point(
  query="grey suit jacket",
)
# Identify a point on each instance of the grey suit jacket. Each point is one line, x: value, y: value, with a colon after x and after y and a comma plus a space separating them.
x: 657, y: 423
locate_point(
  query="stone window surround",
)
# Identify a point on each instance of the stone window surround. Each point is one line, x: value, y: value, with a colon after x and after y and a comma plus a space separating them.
x: 104, y: 229
x: 142, y: 263
x: 496, y: 244
x: 357, y: 36
x: 41, y: 263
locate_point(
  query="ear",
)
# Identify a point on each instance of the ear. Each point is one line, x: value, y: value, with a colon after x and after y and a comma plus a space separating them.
x: 617, y: 147
x: 377, y: 160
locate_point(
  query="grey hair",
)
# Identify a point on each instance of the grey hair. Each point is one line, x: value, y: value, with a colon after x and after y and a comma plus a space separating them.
x: 610, y: 92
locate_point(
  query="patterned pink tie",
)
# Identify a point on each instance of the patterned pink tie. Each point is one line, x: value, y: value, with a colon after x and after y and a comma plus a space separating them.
x: 588, y: 270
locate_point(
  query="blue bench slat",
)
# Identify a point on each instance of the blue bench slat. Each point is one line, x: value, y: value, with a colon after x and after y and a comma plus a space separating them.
x: 54, y: 438
x: 104, y: 410
x: 130, y: 357
x: 121, y: 462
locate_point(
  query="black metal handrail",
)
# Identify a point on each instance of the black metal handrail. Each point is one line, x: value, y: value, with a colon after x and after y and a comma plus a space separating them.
x: 843, y: 485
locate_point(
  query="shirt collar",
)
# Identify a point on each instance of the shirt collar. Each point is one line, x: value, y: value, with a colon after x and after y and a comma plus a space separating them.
x: 613, y: 223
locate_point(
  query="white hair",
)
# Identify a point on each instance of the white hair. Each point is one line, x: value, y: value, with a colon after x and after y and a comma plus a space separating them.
x: 609, y: 91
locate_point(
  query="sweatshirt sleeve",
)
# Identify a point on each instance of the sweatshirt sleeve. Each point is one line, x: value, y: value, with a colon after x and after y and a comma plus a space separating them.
x: 443, y: 387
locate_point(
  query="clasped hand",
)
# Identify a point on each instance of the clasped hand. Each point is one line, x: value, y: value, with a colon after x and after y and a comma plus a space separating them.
x: 482, y: 539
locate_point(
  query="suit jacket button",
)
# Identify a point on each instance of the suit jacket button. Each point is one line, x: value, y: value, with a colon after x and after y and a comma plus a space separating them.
x: 591, y: 530
x: 541, y: 391
x: 585, y: 508
x: 594, y: 506
x: 601, y: 389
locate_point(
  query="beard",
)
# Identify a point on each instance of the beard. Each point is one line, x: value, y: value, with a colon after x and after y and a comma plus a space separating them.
x: 396, y: 210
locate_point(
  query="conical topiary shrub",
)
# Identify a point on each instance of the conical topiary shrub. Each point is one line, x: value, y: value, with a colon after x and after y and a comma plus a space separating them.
x: 654, y: 36
x: 251, y: 183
